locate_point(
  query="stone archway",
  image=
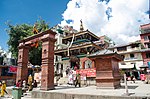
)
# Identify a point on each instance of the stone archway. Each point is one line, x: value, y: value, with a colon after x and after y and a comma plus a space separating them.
x: 48, y: 40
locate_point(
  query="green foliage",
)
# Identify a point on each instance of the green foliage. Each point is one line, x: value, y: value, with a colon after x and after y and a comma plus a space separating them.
x: 21, y: 31
x: 35, y: 55
x: 17, y: 33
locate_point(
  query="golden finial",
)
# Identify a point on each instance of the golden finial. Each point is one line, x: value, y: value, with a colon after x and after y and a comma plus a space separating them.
x: 81, y: 26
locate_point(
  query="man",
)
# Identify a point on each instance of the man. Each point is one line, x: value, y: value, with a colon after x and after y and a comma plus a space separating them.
x: 78, y: 80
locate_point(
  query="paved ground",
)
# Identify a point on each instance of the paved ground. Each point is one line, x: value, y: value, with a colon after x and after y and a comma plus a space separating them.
x: 134, y: 89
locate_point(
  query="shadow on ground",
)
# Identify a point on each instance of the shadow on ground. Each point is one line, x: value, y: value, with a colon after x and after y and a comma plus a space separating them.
x: 65, y: 87
x: 129, y: 87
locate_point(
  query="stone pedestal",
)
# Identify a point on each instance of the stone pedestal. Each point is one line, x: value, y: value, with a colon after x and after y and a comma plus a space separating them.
x: 22, y: 69
x: 107, y: 70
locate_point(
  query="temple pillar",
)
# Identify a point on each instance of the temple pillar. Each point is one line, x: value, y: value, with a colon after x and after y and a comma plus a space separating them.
x: 22, y: 69
x: 93, y: 64
x: 47, y: 79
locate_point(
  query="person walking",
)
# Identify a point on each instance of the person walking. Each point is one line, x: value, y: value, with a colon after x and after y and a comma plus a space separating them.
x: 133, y: 78
x: 78, y: 80
x: 3, y: 89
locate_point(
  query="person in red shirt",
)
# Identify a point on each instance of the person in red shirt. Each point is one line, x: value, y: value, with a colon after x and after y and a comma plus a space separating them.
x: 19, y: 84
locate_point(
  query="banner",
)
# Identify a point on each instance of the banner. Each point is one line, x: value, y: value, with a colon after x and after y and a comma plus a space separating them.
x: 12, y: 69
x: 90, y: 72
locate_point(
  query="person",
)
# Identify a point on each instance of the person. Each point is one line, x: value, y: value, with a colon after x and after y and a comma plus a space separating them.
x: 78, y: 80
x: 70, y: 78
x: 85, y: 80
x: 3, y: 89
x: 133, y: 79
x: 0, y: 84
x: 24, y: 84
x: 19, y: 84
x: 67, y: 70
x: 34, y: 84
x: 75, y: 68
x: 30, y: 83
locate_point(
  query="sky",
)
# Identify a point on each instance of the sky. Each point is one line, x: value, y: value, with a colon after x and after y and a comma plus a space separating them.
x: 118, y: 19
x: 28, y: 11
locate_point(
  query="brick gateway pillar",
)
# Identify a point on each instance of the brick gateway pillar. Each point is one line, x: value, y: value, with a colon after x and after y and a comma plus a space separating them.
x: 47, y: 79
x: 22, y: 70
x: 48, y: 40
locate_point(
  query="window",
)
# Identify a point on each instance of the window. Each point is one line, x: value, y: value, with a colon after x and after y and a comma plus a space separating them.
x: 88, y: 64
x: 134, y: 45
x: 145, y: 38
x: 131, y: 55
x: 56, y: 58
x: 147, y: 55
x: 123, y: 56
x: 5, y: 72
x: 121, y: 48
x: 148, y: 45
x: 148, y: 37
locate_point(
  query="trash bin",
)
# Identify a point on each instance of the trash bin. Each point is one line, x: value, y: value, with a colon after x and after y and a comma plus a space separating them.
x: 17, y: 93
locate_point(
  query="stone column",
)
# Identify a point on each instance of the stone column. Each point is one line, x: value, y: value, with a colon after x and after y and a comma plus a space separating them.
x: 47, y: 79
x: 22, y: 70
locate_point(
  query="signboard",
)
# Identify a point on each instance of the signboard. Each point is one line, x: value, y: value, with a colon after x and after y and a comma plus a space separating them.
x: 89, y: 72
x: 12, y: 69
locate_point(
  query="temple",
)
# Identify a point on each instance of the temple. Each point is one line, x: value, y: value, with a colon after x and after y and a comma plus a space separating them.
x: 73, y: 48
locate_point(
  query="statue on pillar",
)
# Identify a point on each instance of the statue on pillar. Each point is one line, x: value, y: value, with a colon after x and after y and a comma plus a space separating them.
x: 35, y: 31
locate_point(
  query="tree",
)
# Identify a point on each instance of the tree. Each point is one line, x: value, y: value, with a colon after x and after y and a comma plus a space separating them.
x: 21, y: 31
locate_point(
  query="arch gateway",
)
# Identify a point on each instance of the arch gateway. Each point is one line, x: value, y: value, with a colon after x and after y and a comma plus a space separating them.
x: 48, y: 40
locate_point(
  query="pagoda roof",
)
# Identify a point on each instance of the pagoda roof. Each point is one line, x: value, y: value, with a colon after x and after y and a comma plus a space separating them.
x: 105, y: 52
x: 83, y: 45
x: 81, y: 33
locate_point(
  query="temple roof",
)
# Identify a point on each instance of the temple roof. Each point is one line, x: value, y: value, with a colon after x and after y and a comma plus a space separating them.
x: 105, y: 52
x: 102, y: 52
x: 87, y: 44
x: 81, y: 33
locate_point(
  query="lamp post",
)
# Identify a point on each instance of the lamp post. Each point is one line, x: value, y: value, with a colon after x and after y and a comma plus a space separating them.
x: 126, y: 86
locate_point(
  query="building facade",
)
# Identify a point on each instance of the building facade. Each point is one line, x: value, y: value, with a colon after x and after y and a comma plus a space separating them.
x: 133, y: 59
x: 145, y: 40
